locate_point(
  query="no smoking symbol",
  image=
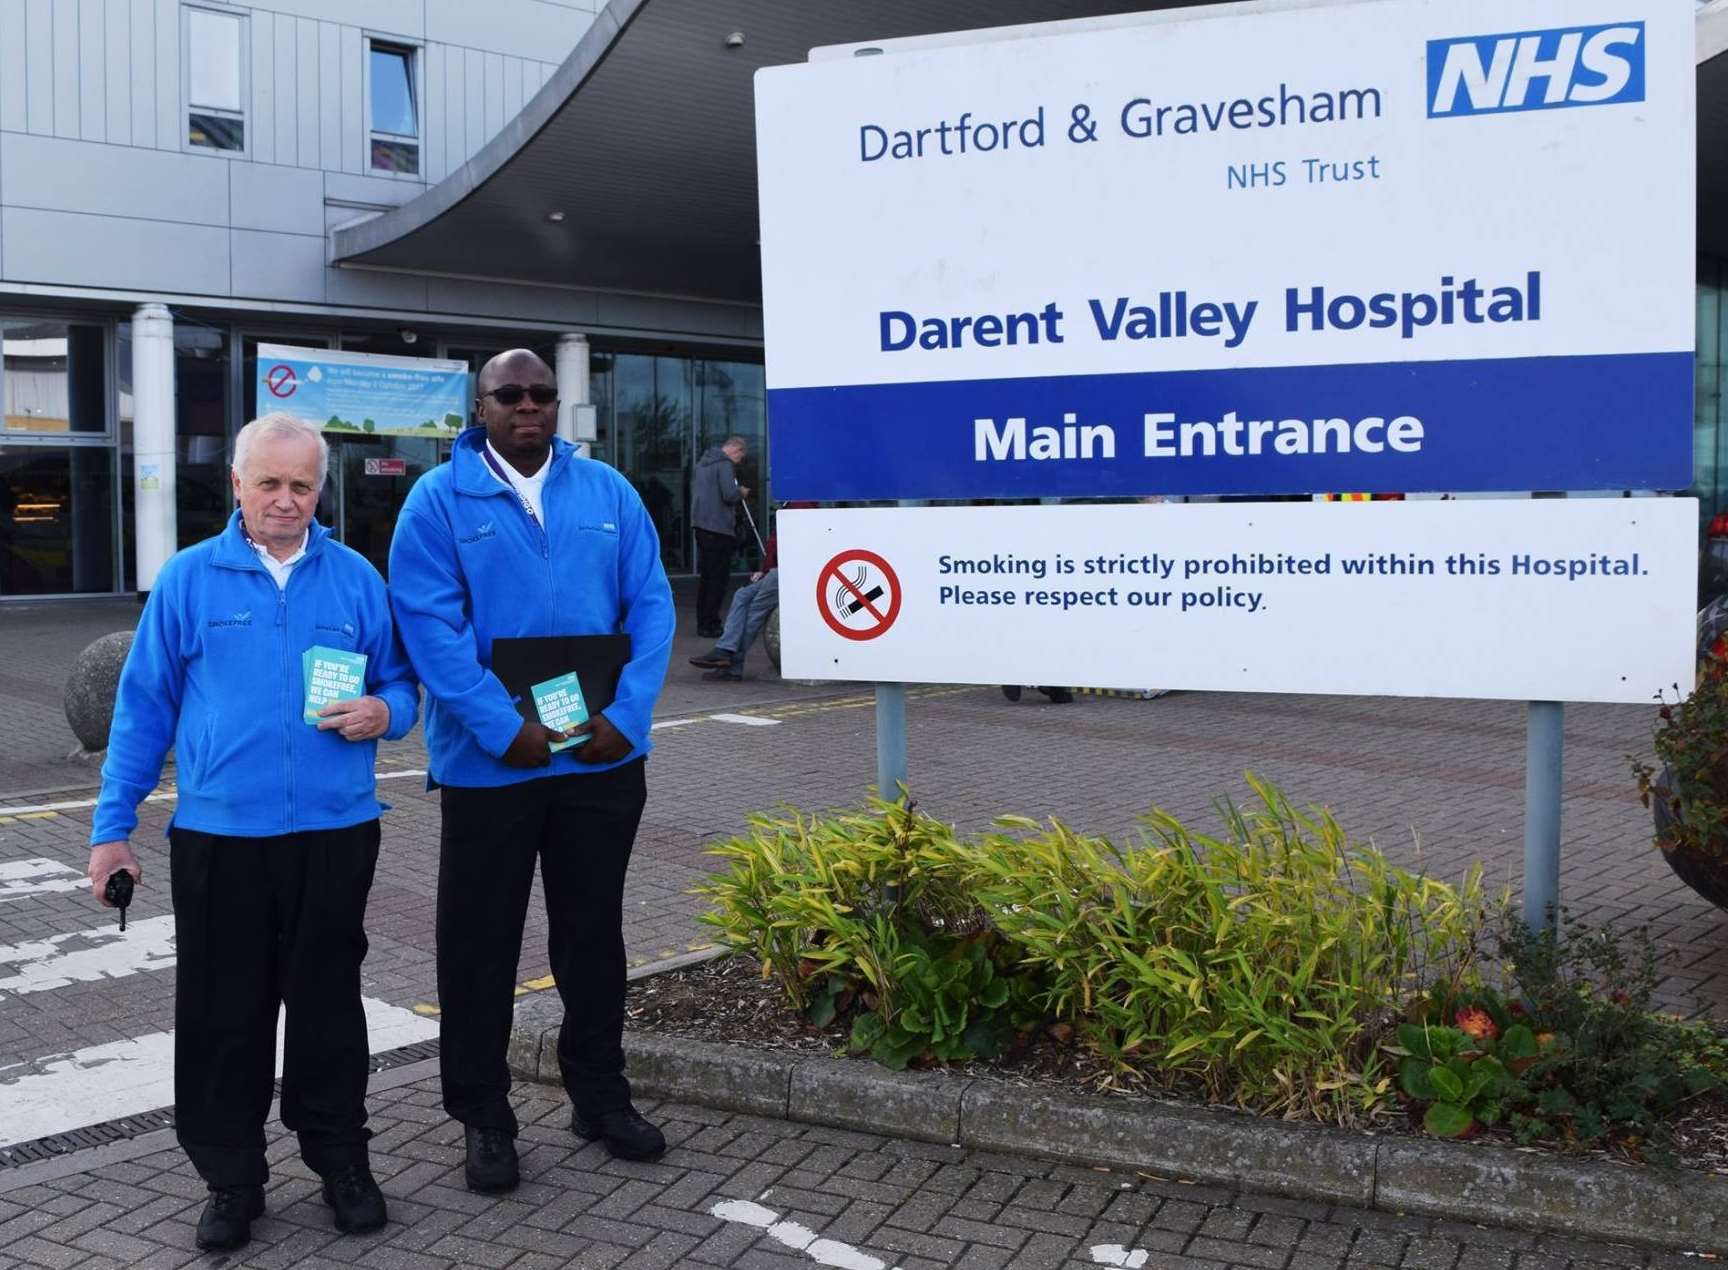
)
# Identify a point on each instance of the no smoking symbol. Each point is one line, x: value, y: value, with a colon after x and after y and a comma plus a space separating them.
x: 280, y: 381
x: 858, y: 594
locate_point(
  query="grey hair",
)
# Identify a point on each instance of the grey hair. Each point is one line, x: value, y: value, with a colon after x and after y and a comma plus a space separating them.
x: 279, y: 424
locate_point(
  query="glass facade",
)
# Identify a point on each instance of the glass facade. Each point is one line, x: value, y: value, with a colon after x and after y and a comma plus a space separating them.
x: 657, y: 414
x: 1709, y: 445
x: 59, y: 534
x: 56, y: 520
x: 67, y: 440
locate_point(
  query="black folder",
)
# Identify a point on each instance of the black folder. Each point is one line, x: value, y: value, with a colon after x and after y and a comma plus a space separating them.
x: 598, y: 660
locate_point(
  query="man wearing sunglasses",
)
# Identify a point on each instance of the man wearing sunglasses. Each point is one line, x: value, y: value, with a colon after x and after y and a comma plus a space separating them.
x: 518, y: 536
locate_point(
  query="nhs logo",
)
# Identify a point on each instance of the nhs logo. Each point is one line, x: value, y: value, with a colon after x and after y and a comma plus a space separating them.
x: 1536, y: 70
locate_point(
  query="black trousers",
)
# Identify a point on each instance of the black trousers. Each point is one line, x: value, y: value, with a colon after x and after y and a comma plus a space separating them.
x: 714, y: 571
x: 261, y: 923
x: 581, y: 828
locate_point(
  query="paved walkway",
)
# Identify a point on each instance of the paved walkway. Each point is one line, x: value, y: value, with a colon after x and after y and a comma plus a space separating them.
x: 733, y: 1191
x: 85, y: 1016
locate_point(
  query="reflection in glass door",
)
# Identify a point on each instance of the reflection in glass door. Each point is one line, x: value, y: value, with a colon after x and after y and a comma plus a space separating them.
x: 372, y: 478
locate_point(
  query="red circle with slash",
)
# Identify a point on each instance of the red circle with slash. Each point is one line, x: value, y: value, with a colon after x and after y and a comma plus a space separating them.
x: 835, y: 591
x: 280, y: 381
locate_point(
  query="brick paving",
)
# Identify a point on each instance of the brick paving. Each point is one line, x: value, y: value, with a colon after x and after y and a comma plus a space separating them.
x: 1437, y: 784
x: 913, y: 1205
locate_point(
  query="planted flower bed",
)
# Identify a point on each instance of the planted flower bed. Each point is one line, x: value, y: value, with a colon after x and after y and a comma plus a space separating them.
x: 1275, y: 966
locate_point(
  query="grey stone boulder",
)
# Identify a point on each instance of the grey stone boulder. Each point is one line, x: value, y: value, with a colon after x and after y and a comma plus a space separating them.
x: 91, y: 687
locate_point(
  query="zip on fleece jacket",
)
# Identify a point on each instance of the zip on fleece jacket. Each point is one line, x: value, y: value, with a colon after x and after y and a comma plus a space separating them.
x: 468, y: 566
x: 215, y: 669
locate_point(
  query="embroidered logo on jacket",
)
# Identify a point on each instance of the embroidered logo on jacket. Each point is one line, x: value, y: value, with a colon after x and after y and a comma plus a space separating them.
x: 243, y: 618
x: 481, y: 533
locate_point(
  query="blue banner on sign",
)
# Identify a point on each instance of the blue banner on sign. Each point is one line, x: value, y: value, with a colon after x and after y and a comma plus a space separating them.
x: 1545, y: 423
x: 377, y: 396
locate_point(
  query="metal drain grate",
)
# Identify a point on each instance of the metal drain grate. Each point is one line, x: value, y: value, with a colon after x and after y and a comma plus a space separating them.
x: 126, y: 1127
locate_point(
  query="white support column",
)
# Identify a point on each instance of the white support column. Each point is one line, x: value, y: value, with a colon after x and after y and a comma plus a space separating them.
x: 575, y: 413
x: 156, y: 530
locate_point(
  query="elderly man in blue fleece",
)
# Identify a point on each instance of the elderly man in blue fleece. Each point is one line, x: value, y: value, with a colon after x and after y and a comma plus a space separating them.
x: 518, y: 536
x: 275, y: 830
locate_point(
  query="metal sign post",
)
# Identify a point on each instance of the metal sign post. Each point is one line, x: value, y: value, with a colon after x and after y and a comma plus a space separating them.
x: 890, y: 739
x: 1542, y: 766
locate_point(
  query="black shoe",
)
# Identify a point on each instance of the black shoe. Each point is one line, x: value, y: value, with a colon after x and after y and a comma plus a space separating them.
x: 710, y: 632
x: 1058, y: 696
x: 715, y: 660
x: 227, y: 1218
x: 355, y: 1199
x: 624, y: 1131
x: 1011, y: 691
x: 724, y: 674
x: 491, y: 1160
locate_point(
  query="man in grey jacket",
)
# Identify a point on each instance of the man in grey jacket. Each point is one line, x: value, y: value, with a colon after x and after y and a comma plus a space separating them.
x: 714, y: 497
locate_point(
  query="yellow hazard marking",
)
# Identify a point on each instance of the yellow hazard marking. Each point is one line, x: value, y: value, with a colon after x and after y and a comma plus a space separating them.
x: 540, y: 984
x: 427, y: 1011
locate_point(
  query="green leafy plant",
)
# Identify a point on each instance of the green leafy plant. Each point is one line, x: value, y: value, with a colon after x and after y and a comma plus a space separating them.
x: 1691, y: 743
x: 1262, y: 966
x: 870, y: 914
x: 1458, y: 1074
x: 1609, y: 1067
x: 954, y: 1004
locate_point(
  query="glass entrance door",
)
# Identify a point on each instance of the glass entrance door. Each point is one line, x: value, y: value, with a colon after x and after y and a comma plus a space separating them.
x: 372, y: 478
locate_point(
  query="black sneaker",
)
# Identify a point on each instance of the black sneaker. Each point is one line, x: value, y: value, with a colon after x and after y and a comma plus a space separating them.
x: 227, y: 1219
x: 491, y: 1160
x: 354, y: 1197
x: 625, y: 1132
x: 1058, y: 696
x: 1011, y: 691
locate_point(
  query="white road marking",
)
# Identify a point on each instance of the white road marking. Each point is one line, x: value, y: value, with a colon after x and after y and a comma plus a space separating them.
x: 162, y: 796
x: 748, y: 720
x: 107, y: 953
x: 122, y: 1078
x: 22, y: 878
x: 78, y: 803
x: 800, y: 1238
x: 1117, y: 1255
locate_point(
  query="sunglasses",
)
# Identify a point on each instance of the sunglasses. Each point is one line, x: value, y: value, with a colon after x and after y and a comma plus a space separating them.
x: 512, y: 394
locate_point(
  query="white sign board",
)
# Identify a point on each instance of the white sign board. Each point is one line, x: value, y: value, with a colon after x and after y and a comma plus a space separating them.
x: 1394, y: 246
x: 1576, y: 600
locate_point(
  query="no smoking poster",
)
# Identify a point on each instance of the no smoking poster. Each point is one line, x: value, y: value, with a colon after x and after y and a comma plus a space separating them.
x: 1249, y: 597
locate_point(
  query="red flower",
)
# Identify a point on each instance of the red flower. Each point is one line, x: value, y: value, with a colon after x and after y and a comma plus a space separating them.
x: 1475, y: 1023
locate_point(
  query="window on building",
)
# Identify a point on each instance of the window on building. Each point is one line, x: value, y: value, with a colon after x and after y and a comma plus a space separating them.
x: 394, y: 127
x: 215, y: 98
x: 53, y: 377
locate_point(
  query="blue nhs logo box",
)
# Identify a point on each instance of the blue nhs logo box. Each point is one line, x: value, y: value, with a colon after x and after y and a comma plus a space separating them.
x: 1536, y: 70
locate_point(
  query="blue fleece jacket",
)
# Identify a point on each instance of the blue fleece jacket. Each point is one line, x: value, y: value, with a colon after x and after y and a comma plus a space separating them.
x: 215, y: 669
x: 468, y: 566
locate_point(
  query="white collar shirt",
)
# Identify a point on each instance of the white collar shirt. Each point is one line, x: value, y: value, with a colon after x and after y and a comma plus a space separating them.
x: 280, y: 569
x: 526, y: 487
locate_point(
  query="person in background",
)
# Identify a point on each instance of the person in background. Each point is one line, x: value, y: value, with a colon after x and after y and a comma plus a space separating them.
x: 275, y: 831
x: 751, y: 608
x: 714, y: 498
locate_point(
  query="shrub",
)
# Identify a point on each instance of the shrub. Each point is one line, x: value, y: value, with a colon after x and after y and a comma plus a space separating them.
x: 1691, y: 742
x: 1264, y: 965
x: 871, y: 912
